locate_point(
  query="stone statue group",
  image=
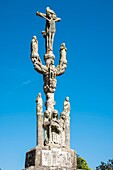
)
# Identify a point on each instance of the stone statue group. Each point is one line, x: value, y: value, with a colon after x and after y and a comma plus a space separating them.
x: 55, y: 130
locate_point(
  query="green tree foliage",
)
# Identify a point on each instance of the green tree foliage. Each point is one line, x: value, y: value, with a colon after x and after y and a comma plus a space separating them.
x: 81, y: 163
x: 106, y: 166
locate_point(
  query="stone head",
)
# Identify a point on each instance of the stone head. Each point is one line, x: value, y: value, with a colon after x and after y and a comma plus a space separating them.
x: 34, y: 37
x: 63, y: 44
x: 39, y: 95
x: 47, y: 9
x: 50, y: 13
x: 52, y: 62
x: 55, y: 113
x: 67, y: 99
x: 63, y: 115
x: 46, y: 114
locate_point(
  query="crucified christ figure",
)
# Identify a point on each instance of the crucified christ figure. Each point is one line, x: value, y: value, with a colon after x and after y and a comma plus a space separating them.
x: 50, y: 29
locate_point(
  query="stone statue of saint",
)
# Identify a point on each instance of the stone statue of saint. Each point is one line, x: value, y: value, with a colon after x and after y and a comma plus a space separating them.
x: 46, y: 125
x: 50, y: 103
x: 39, y: 104
x: 67, y: 106
x: 55, y: 128
x: 50, y: 29
x: 63, y: 50
x: 34, y: 50
x: 34, y: 45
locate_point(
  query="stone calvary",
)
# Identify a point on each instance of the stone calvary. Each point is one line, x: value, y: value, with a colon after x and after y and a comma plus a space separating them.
x: 52, y: 151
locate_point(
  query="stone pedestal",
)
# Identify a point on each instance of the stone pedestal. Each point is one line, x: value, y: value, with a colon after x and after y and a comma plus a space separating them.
x: 50, y: 159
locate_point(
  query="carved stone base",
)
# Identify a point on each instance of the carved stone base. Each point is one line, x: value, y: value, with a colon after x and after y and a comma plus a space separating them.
x: 50, y: 159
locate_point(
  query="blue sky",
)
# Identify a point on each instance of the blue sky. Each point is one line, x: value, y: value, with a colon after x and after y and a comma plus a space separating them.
x: 87, y: 29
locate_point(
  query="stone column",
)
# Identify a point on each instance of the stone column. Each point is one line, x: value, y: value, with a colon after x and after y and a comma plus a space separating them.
x: 67, y: 122
x: 67, y: 134
x: 39, y: 138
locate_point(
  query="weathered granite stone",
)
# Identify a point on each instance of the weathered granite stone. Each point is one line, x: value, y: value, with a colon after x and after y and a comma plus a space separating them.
x: 53, y: 133
x: 50, y: 29
x: 53, y: 158
x: 39, y: 105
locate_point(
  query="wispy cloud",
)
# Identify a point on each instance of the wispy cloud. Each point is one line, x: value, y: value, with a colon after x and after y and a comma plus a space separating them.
x: 26, y: 82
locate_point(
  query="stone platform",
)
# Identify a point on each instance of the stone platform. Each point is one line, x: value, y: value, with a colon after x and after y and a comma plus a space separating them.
x: 52, y: 159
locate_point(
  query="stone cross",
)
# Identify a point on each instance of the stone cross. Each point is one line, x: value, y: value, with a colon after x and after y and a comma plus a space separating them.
x: 54, y: 128
x: 52, y: 151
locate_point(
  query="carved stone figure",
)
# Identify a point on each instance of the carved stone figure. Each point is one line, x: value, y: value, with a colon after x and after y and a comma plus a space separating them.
x: 34, y: 50
x: 55, y: 128
x: 63, y: 50
x: 50, y: 103
x: 50, y: 29
x: 67, y: 106
x: 46, y: 125
x: 39, y: 103
x: 63, y: 132
x: 52, y: 77
x: 34, y: 46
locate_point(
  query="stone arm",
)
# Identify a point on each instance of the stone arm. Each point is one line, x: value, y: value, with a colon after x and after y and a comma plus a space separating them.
x: 40, y: 68
x: 42, y: 15
x: 57, y: 20
x: 60, y: 69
